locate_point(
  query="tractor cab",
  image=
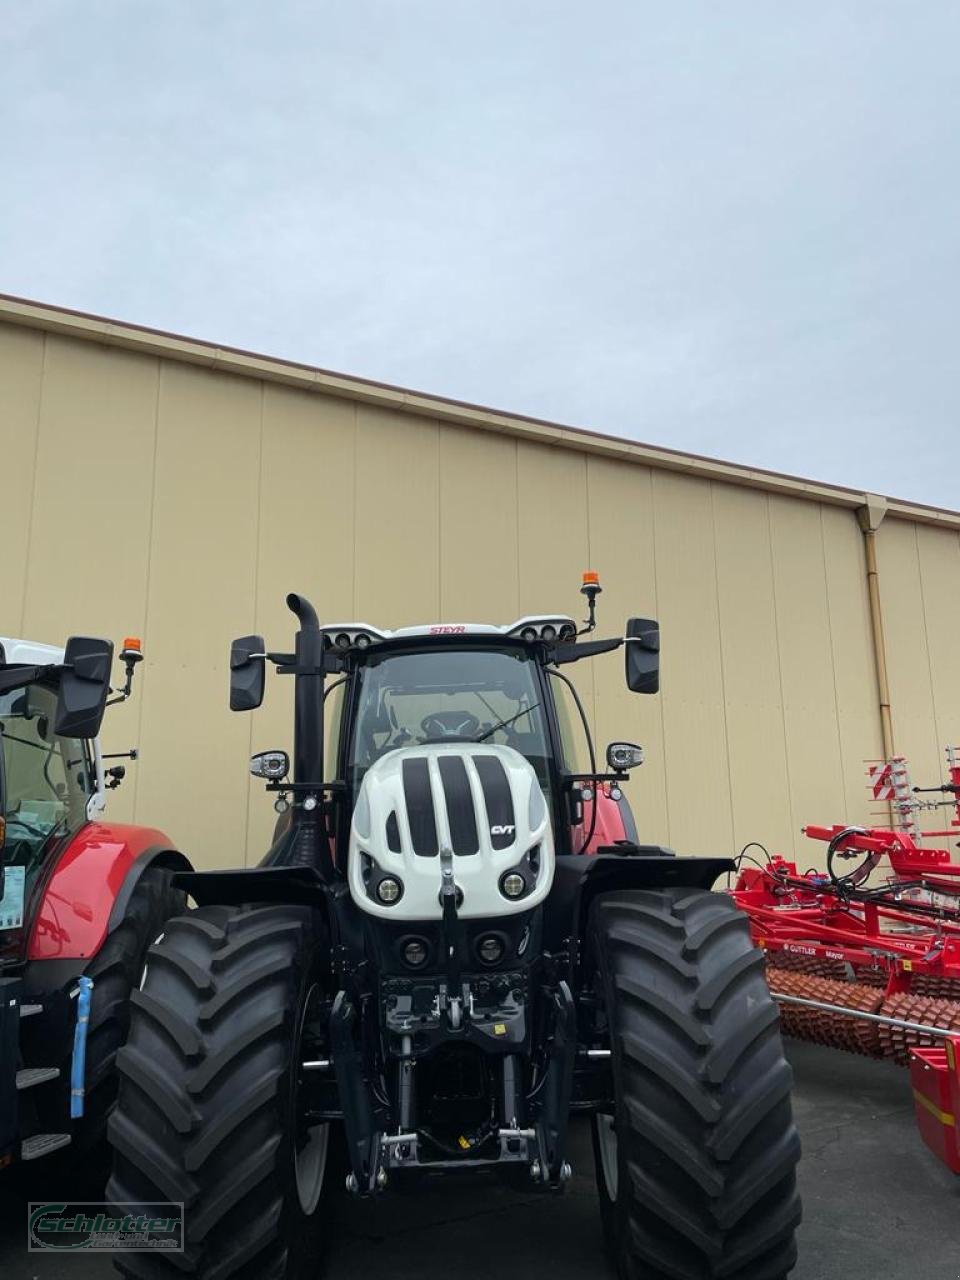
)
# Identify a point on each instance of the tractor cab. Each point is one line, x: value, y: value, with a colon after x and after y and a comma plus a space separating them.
x: 81, y: 899
x: 51, y: 782
x: 455, y: 687
x: 450, y: 694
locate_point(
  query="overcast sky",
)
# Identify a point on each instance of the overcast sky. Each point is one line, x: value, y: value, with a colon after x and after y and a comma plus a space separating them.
x: 730, y: 228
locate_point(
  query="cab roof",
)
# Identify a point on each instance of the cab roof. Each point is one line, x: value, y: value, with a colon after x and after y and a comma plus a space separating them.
x: 28, y: 652
x: 348, y: 635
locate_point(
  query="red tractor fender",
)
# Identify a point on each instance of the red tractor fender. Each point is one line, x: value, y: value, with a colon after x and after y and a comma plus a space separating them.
x: 86, y: 894
x: 614, y: 821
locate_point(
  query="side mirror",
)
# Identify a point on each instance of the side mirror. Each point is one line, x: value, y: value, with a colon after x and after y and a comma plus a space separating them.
x: 643, y: 655
x: 273, y: 765
x: 623, y: 756
x: 84, y: 685
x: 248, y: 671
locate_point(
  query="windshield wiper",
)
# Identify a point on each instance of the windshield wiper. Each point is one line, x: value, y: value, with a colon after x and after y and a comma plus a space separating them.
x: 502, y: 724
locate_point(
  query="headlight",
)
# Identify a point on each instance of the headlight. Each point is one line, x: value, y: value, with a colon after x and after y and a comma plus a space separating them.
x: 490, y: 949
x: 512, y: 885
x: 415, y: 952
x: 622, y: 756
x: 389, y: 890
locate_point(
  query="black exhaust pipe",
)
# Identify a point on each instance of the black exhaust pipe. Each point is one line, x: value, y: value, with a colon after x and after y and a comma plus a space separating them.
x: 304, y: 611
x: 310, y: 847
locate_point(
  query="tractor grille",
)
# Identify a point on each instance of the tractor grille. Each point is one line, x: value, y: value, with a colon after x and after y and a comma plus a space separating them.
x: 461, y: 811
x: 497, y: 798
x: 419, y: 800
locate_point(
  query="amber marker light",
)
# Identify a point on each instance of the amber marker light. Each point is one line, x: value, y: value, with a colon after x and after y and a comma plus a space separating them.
x: 132, y: 651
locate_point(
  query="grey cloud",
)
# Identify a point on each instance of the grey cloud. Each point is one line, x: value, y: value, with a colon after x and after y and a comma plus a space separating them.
x: 725, y: 228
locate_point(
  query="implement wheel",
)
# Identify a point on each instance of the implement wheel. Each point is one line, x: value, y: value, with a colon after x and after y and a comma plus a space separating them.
x: 215, y: 1108
x: 696, y: 1158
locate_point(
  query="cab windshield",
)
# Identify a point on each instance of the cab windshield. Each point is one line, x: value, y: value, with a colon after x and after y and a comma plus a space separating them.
x: 450, y: 695
x: 45, y: 781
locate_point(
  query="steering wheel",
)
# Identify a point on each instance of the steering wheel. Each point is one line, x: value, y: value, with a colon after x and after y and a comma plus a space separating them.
x: 456, y: 725
x: 33, y: 828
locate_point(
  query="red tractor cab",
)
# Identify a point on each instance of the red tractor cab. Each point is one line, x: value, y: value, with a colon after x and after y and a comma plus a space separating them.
x: 81, y: 899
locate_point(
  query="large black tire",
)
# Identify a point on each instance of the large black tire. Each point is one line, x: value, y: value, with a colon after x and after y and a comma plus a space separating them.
x: 696, y: 1159
x: 116, y: 970
x: 209, y: 1088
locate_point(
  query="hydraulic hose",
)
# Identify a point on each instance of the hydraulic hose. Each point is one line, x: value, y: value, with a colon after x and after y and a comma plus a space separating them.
x: 78, y: 1063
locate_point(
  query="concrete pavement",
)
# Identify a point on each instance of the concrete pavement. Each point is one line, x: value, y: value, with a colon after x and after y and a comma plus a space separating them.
x: 877, y: 1204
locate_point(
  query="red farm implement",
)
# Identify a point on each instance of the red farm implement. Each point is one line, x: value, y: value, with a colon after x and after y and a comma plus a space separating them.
x: 866, y: 955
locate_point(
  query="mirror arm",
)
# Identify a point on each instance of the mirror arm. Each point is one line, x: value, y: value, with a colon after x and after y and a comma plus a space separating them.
x: 574, y: 652
x: 124, y: 692
x: 286, y: 663
x: 570, y: 779
x: 15, y: 676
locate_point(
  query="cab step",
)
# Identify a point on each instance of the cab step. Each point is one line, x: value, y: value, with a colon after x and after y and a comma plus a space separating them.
x: 41, y: 1144
x: 31, y: 1076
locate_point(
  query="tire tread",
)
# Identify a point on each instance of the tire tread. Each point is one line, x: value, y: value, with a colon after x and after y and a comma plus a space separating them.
x: 707, y: 1139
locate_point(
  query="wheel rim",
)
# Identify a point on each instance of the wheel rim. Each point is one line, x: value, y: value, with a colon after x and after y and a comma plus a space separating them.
x: 311, y: 1164
x: 609, y: 1153
x: 311, y: 1141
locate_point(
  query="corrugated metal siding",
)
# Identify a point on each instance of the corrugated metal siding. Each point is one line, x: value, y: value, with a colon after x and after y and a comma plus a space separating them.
x: 920, y: 588
x: 146, y: 495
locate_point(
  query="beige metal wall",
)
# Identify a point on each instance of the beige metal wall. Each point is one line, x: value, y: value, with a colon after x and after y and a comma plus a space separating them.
x: 920, y: 588
x: 145, y: 495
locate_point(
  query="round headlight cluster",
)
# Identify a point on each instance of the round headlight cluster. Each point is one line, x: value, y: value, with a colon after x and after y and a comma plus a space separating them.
x: 344, y: 640
x: 513, y: 885
x: 549, y: 633
x: 389, y: 890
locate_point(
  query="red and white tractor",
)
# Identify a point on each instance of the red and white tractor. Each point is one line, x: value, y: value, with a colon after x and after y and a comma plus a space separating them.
x: 81, y: 900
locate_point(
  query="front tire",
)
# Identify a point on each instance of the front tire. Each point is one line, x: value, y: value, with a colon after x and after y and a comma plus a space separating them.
x: 210, y: 1110
x: 696, y: 1157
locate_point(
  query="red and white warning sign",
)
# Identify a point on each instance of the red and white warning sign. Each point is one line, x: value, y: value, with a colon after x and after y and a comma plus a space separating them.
x: 881, y: 780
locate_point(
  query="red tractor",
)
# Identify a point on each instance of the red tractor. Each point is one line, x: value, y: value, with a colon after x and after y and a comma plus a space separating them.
x: 81, y: 900
x: 455, y: 943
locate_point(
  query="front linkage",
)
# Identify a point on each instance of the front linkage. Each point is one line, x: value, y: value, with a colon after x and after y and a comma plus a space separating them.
x: 512, y: 1018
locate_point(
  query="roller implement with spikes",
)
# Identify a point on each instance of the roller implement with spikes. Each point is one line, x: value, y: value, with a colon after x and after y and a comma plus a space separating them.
x: 866, y: 956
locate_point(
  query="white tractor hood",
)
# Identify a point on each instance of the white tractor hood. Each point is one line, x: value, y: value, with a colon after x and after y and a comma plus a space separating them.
x: 480, y: 801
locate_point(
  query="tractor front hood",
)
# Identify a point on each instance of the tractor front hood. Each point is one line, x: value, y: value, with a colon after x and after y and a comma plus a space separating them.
x: 480, y: 801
